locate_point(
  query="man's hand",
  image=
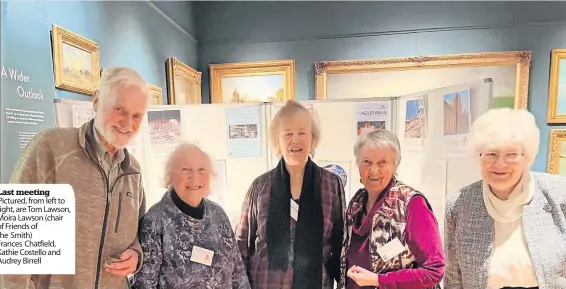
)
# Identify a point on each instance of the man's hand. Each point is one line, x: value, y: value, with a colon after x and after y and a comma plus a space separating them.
x: 127, y: 264
x: 363, y: 277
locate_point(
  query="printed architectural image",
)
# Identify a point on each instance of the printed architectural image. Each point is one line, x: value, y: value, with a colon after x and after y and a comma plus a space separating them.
x: 415, y: 119
x: 457, y: 115
x: 368, y: 126
x: 242, y: 131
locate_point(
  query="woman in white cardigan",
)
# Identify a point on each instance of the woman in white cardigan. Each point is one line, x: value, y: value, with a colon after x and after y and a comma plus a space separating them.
x: 509, y: 229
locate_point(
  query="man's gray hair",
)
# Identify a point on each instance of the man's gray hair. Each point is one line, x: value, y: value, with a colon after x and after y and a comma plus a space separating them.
x: 119, y: 75
x: 378, y: 139
x: 183, y: 147
x: 502, y: 126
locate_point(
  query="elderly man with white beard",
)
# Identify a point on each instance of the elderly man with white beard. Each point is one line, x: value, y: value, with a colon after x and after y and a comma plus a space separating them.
x: 107, y: 182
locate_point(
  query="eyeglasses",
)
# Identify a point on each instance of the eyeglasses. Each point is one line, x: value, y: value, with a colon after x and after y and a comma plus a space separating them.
x: 510, y: 157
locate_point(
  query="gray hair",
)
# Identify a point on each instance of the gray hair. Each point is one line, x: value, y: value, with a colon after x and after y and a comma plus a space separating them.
x: 183, y: 147
x: 119, y: 75
x: 378, y: 139
x: 504, y: 125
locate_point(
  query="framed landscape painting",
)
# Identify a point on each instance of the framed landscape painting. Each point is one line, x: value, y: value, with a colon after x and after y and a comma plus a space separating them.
x: 76, y: 61
x: 393, y: 77
x: 556, y: 163
x: 183, y: 83
x: 557, y: 87
x: 249, y: 82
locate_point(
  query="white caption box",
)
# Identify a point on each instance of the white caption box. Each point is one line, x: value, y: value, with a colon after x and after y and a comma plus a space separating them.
x: 37, y: 229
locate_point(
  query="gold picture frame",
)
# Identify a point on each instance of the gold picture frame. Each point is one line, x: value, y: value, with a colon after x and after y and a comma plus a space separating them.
x: 276, y: 78
x: 556, y: 88
x: 556, y: 152
x: 76, y: 61
x: 183, y: 83
x: 156, y: 94
x: 520, y: 59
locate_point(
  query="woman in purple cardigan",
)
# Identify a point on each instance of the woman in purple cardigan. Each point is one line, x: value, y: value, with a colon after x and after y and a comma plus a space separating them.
x: 392, y: 238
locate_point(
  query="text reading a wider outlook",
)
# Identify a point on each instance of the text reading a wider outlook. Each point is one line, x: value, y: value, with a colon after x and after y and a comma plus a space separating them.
x: 37, y: 229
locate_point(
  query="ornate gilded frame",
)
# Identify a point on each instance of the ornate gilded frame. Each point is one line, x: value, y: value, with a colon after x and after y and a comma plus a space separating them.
x: 156, y: 94
x: 60, y: 36
x: 521, y: 59
x: 553, y: 115
x: 285, y: 67
x: 174, y: 67
x: 557, y: 136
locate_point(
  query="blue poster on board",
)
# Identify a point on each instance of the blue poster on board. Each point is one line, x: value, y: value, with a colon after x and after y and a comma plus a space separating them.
x: 27, y: 84
x: 244, y: 135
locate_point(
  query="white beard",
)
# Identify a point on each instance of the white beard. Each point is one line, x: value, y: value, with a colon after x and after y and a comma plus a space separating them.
x: 109, y: 134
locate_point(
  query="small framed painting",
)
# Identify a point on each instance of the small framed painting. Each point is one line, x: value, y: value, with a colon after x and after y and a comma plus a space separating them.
x: 183, y: 83
x: 557, y: 88
x: 249, y: 82
x: 556, y: 163
x: 76, y: 61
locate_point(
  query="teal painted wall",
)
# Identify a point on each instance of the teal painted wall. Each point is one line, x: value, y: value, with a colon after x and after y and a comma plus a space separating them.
x: 317, y: 31
x: 130, y: 33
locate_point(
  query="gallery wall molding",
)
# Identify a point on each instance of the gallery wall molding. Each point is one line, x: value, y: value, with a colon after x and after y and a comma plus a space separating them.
x: 557, y: 137
x: 181, y: 75
x: 66, y: 77
x: 286, y: 68
x: 521, y: 59
x: 554, y: 116
x: 226, y: 41
x: 170, y: 20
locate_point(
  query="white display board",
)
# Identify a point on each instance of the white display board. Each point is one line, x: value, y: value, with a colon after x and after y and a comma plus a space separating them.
x: 431, y: 126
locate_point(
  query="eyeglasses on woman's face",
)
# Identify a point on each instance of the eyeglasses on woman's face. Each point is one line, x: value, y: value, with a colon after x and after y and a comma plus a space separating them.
x: 508, y: 157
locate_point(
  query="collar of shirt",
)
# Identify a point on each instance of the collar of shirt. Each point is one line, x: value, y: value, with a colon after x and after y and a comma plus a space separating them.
x: 103, y: 148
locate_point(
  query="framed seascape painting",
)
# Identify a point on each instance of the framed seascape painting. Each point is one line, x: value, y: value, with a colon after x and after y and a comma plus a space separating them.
x: 156, y: 94
x: 249, y: 82
x: 183, y: 83
x: 557, y: 88
x: 556, y: 163
x: 76, y: 61
x: 392, y: 77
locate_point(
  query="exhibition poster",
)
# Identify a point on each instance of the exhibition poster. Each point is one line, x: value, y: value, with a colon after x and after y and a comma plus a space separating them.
x: 82, y: 114
x: 218, y: 183
x: 243, y: 131
x: 371, y: 116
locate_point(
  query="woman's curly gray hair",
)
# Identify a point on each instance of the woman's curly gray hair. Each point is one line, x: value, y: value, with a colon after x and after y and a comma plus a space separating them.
x: 502, y: 126
x: 181, y: 148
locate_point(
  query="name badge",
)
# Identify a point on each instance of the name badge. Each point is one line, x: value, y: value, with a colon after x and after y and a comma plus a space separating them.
x: 202, y: 256
x: 294, y: 210
x: 391, y: 249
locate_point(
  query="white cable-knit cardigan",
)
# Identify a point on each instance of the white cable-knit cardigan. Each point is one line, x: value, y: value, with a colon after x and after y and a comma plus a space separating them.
x: 469, y: 235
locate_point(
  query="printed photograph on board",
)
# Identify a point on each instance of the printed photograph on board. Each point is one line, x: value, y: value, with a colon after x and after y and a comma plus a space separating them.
x: 457, y: 114
x: 415, y: 119
x: 369, y: 126
x: 257, y: 88
x: 456, y: 122
x: 242, y: 131
x: 164, y: 127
